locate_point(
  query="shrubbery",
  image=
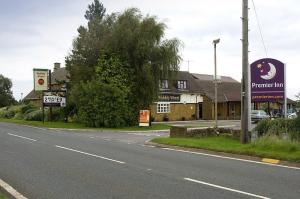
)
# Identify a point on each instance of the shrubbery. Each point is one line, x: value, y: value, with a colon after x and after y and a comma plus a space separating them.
x: 30, y: 112
x: 101, y: 105
x: 36, y: 115
x: 280, y: 127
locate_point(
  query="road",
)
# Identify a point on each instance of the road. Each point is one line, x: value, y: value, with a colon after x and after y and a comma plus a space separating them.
x: 234, y: 124
x: 42, y: 163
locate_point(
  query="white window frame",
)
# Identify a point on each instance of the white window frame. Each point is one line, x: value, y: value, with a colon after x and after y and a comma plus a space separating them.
x: 163, y: 84
x: 163, y: 107
x: 181, y: 84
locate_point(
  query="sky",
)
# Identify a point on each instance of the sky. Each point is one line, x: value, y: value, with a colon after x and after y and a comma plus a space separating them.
x: 38, y: 33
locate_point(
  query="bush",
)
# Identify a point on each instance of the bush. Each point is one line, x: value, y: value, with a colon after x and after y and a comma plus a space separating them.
x: 279, y: 127
x: 19, y: 116
x: 57, y: 114
x: 102, y: 105
x: 36, y: 115
x: 25, y: 109
x: 9, y: 112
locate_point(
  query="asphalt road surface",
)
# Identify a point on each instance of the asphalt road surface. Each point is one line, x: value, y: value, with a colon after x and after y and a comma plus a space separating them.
x: 43, y: 163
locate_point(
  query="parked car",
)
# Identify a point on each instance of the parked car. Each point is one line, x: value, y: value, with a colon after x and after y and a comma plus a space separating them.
x: 257, y: 115
x: 292, y: 115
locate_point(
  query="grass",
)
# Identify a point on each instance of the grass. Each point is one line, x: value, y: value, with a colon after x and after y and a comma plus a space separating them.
x: 2, y: 196
x: 267, y: 147
x: 73, y: 125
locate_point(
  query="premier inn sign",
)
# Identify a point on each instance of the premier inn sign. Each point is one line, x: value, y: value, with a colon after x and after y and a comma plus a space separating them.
x: 267, y: 80
x: 40, y: 77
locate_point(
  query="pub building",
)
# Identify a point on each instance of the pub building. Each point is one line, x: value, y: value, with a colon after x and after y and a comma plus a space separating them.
x: 191, y: 97
x: 179, y: 99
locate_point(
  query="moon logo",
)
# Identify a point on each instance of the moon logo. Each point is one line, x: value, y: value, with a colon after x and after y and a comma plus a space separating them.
x: 271, y: 74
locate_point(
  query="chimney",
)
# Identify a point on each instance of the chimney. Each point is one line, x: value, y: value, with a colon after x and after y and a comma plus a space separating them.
x: 56, y: 66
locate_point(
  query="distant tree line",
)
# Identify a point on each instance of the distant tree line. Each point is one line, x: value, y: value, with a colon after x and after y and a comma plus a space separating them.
x: 6, y: 95
x: 116, y: 63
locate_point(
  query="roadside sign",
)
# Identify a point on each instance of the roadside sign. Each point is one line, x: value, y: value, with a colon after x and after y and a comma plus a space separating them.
x: 40, y: 78
x: 144, y: 118
x: 54, y: 101
x: 267, y: 80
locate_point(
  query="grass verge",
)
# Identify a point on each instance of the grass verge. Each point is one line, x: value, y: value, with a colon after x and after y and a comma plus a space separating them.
x: 2, y: 196
x: 267, y: 147
x: 72, y: 125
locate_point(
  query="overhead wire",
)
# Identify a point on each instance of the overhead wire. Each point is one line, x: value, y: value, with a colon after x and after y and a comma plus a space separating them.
x: 260, y: 29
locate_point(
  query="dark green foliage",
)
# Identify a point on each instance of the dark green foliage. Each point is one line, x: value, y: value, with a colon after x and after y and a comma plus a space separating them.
x: 6, y: 97
x: 120, y: 52
x: 101, y: 105
x: 28, y: 108
x: 36, y: 115
x: 279, y: 127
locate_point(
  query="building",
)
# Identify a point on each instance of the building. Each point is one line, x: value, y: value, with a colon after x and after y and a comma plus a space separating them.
x: 191, y: 96
x: 229, y: 97
x: 59, y: 78
x: 178, y: 99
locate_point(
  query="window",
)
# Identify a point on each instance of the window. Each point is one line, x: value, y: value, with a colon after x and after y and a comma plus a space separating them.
x: 163, y: 84
x: 163, y: 107
x: 181, y: 84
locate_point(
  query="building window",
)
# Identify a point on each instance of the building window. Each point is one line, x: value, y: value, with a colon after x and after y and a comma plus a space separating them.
x: 163, y: 84
x: 181, y: 84
x: 163, y: 107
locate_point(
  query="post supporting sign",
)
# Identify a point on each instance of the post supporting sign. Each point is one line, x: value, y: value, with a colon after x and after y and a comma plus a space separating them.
x: 268, y: 81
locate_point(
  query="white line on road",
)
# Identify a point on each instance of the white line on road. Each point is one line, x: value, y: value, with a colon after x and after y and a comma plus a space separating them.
x: 230, y: 158
x: 10, y: 190
x: 22, y: 137
x: 225, y: 188
x: 89, y: 154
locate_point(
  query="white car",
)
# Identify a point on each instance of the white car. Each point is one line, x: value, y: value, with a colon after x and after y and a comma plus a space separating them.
x: 292, y: 116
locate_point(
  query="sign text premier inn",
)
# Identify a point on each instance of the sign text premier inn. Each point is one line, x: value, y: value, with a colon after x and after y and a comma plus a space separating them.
x: 267, y: 80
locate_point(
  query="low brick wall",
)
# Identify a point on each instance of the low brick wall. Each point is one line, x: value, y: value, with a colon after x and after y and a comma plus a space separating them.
x: 184, y: 132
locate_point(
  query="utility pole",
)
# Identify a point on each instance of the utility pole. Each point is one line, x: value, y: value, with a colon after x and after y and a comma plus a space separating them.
x: 245, y: 77
x: 215, y: 42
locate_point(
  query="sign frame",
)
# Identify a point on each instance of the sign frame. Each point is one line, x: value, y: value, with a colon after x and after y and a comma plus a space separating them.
x: 40, y: 79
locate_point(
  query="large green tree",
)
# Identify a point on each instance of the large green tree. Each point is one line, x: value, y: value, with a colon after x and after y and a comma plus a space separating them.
x: 6, y: 97
x: 126, y: 50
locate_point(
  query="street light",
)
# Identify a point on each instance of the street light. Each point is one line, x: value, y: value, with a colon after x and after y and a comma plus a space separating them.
x: 215, y: 42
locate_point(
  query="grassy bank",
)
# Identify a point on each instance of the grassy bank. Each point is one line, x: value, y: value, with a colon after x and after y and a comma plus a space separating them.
x: 2, y: 196
x: 268, y: 147
x: 72, y: 125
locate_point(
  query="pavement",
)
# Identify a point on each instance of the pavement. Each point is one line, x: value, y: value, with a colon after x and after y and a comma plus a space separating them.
x: 47, y: 163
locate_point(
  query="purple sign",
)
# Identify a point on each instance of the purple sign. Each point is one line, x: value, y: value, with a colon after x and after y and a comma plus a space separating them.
x: 267, y: 80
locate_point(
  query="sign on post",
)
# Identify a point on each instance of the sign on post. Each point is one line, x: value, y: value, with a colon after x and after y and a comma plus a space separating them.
x: 267, y: 80
x: 144, y: 118
x: 40, y: 77
x: 54, y: 98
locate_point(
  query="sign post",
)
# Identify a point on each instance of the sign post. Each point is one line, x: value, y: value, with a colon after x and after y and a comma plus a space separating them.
x: 268, y: 82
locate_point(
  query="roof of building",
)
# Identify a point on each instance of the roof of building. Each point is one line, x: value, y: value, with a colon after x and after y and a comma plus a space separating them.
x: 58, y: 76
x: 191, y: 86
x: 205, y: 77
x: 228, y: 88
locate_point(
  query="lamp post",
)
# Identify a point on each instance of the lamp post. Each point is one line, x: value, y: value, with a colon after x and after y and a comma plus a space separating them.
x: 215, y: 42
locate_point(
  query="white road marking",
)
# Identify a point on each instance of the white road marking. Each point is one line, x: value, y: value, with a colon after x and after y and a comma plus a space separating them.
x: 230, y: 158
x: 14, y: 193
x: 22, y: 137
x: 147, y: 146
x: 89, y: 154
x: 225, y: 188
